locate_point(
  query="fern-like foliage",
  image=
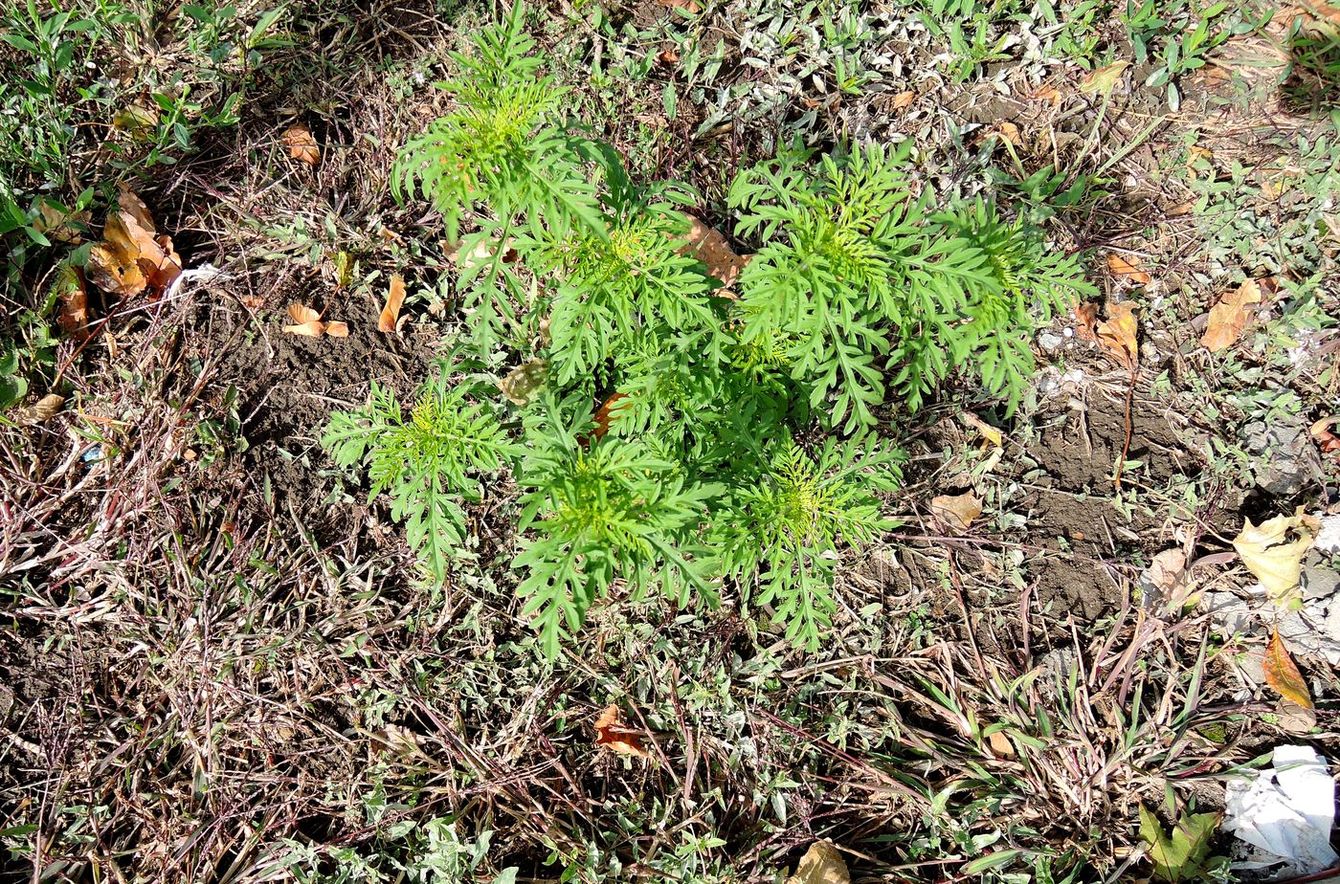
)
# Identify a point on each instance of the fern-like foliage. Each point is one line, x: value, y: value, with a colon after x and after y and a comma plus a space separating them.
x: 427, y: 462
x: 655, y: 450
x: 503, y: 146
x: 600, y: 512
x: 779, y: 535
x: 852, y: 273
x: 1028, y: 283
x: 630, y: 280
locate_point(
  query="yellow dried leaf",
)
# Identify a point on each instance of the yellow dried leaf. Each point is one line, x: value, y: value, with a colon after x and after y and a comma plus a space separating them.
x: 821, y: 864
x: 137, y: 119
x: 522, y: 382
x: 301, y: 145
x: 1103, y: 80
x: 1273, y: 551
x: 991, y: 436
x: 1282, y: 673
x: 1230, y: 316
x: 956, y: 512
x: 394, y: 299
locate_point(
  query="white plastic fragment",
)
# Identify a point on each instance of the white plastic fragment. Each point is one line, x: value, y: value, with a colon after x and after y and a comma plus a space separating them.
x: 1286, y: 811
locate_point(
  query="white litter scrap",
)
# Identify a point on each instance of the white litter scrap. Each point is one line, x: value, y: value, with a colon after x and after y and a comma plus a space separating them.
x: 1286, y: 812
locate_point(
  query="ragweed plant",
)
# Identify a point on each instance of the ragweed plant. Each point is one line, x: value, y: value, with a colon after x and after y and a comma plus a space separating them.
x: 776, y: 536
x: 655, y: 452
x: 597, y: 511
x: 427, y: 462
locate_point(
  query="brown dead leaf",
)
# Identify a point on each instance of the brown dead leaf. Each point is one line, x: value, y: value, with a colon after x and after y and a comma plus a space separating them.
x: 131, y: 256
x: 301, y: 145
x: 390, y: 315
x: 614, y: 735
x: 252, y: 302
x: 668, y: 57
x: 903, y: 100
x: 821, y: 864
x: 1118, y: 333
x: 337, y: 329
x: 709, y: 246
x: 1127, y: 268
x: 956, y: 512
x: 689, y: 6
x: 41, y: 411
x: 1230, y: 316
x: 1047, y: 92
x: 1282, y: 673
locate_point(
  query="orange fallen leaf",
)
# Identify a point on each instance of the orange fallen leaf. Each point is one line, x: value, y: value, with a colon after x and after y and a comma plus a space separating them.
x: 1230, y: 316
x: 391, y: 312
x: 1282, y: 673
x: 306, y: 322
x: 1126, y: 268
x: 709, y: 246
x: 301, y: 145
x: 337, y: 329
x: 903, y: 100
x: 1328, y: 442
x: 956, y: 512
x: 1118, y: 333
x: 1047, y: 92
x: 73, y: 316
x: 1010, y: 132
x: 253, y: 302
x: 605, y: 413
x: 616, y: 736
x: 131, y: 256
x: 1086, y: 321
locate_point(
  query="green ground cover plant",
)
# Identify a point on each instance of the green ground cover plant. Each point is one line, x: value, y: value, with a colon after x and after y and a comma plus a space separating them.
x: 687, y: 440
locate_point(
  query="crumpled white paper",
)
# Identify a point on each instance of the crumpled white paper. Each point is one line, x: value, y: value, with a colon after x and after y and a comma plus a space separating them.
x: 1287, y: 810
